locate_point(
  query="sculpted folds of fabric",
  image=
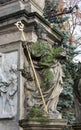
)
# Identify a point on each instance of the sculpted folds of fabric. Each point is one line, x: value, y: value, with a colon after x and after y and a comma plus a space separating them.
x: 8, y: 84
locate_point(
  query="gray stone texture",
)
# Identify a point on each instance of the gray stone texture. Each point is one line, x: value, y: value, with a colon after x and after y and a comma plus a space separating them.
x: 11, y: 42
x: 8, y: 84
x: 11, y: 7
x: 9, y: 118
x: 35, y: 6
x: 51, y: 125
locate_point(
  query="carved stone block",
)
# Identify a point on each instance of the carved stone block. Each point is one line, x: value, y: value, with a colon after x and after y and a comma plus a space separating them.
x: 51, y: 125
x: 8, y: 84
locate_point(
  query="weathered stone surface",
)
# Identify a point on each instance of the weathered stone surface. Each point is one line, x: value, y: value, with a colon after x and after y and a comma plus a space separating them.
x: 32, y: 97
x: 8, y: 125
x: 11, y: 7
x: 11, y: 34
x: 11, y: 41
x: 35, y: 6
x: 40, y: 4
x: 9, y: 110
x: 4, y: 1
x: 8, y: 84
x: 51, y: 125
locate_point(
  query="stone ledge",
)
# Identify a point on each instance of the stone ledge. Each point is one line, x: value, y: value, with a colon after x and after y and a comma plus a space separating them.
x: 30, y: 19
x: 16, y: 5
x: 39, y: 4
x: 11, y: 7
x: 35, y: 6
x: 56, y: 124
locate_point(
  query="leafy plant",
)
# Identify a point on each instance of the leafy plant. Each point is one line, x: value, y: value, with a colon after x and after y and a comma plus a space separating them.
x: 37, y: 114
x: 47, y: 79
x: 45, y: 52
x: 46, y: 55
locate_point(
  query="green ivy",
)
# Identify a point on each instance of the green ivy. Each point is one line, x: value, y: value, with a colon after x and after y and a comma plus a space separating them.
x: 46, y: 53
x: 37, y: 114
x: 48, y: 78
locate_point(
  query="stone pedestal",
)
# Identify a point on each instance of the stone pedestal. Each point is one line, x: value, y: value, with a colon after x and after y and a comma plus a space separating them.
x: 58, y: 124
x: 76, y: 126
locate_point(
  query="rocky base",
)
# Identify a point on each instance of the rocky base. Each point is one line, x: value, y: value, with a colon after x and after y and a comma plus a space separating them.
x: 56, y: 124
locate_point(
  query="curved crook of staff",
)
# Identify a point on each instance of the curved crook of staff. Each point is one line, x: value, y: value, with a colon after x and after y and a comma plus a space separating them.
x: 20, y: 26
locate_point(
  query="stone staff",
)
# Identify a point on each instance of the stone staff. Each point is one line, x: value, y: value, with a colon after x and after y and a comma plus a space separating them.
x: 20, y: 26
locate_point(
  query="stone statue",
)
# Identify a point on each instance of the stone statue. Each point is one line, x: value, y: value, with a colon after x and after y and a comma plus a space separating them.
x: 30, y: 88
x: 50, y: 75
x: 29, y: 99
x: 51, y: 91
x: 55, y: 90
